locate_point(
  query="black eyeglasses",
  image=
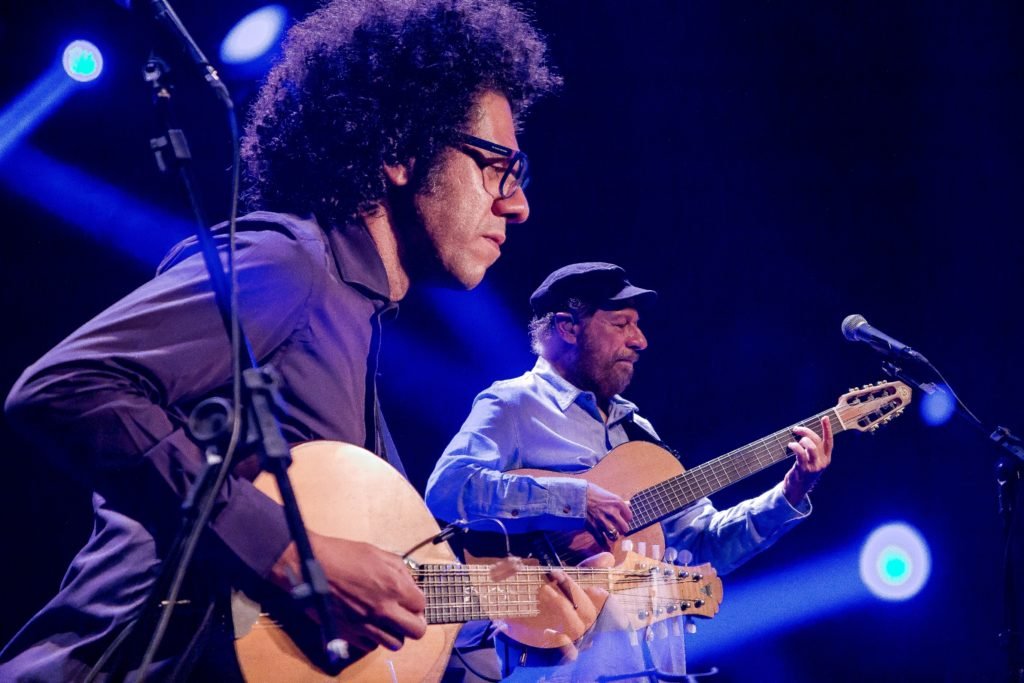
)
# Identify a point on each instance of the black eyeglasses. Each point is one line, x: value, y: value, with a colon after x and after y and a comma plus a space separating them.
x: 516, y: 174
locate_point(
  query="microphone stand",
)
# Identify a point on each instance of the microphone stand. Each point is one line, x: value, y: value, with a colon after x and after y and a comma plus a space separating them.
x: 258, y: 402
x: 1008, y: 471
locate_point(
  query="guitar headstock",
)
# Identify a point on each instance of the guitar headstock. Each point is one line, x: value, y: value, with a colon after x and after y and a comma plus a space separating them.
x: 868, y: 408
x: 650, y: 591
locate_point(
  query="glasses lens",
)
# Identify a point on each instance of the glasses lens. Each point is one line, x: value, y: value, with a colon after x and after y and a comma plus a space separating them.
x: 515, y: 176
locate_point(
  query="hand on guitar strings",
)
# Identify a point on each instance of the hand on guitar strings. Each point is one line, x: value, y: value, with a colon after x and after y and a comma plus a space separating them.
x: 566, y: 611
x: 374, y: 598
x: 813, y: 455
x: 608, y: 516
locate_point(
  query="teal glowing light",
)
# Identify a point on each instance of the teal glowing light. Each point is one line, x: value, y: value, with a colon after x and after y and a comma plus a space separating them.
x: 895, y: 562
x: 894, y: 565
x: 82, y: 61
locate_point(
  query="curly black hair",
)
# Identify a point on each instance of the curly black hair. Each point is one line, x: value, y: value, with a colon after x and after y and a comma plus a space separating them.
x: 365, y: 82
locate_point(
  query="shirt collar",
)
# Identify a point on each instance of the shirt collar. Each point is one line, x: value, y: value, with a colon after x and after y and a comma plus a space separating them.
x: 357, y: 259
x: 564, y: 393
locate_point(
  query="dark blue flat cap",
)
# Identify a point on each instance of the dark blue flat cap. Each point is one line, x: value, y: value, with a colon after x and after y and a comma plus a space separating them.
x: 603, y: 285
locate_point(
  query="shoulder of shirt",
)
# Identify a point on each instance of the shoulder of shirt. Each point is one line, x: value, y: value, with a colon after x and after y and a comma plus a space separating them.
x: 510, y: 390
x: 262, y: 230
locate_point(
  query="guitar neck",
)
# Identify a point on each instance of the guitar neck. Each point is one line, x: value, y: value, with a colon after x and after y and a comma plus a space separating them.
x: 667, y: 497
x: 457, y: 593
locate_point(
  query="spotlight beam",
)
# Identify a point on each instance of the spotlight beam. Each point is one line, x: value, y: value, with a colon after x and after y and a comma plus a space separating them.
x: 107, y: 213
x: 32, y: 107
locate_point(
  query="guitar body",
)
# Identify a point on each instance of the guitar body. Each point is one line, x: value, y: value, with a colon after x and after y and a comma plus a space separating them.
x: 629, y: 468
x: 347, y: 492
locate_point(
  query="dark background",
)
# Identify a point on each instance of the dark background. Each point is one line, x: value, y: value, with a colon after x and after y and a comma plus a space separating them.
x: 768, y: 167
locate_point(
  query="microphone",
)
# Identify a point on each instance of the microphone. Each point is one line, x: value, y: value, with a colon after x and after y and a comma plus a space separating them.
x: 160, y: 12
x: 856, y: 329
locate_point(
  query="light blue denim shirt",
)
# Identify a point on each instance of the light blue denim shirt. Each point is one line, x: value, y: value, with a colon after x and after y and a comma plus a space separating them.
x: 541, y: 421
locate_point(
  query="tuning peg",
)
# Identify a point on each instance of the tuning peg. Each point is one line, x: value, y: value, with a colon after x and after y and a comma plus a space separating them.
x: 633, y: 639
x: 671, y: 554
x: 627, y: 545
x: 649, y: 636
x: 676, y: 631
x: 655, y: 551
x: 691, y: 627
x: 662, y: 630
x: 641, y: 548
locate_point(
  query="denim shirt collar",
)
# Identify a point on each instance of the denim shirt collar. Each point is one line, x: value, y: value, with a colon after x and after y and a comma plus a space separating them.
x: 564, y: 393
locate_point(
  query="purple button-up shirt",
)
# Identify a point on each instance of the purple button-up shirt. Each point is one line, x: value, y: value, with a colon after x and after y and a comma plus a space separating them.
x: 110, y: 404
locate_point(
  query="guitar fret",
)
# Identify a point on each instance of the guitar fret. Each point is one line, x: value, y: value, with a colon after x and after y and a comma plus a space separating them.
x: 457, y: 593
x: 669, y: 496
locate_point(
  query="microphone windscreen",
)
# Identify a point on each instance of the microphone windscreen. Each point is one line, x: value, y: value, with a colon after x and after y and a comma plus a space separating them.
x: 851, y: 323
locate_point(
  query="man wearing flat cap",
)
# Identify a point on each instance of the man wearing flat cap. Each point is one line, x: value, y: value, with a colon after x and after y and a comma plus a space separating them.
x: 564, y: 416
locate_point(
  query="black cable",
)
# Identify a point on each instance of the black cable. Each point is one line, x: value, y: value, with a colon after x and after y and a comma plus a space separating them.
x: 205, y: 508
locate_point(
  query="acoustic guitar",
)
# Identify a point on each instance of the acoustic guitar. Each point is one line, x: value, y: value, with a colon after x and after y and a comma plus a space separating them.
x: 347, y: 492
x: 656, y: 485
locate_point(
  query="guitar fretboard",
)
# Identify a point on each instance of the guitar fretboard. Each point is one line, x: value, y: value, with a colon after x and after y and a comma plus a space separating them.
x: 667, y: 497
x: 457, y: 593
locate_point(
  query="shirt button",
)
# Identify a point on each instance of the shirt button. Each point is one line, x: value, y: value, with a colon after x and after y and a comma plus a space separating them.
x: 515, y: 513
x: 566, y: 509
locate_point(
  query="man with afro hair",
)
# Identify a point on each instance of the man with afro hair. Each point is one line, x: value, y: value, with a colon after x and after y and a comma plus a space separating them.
x: 380, y: 153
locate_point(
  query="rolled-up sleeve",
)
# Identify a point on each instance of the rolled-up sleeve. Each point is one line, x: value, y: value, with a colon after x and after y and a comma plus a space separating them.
x: 728, y: 538
x: 471, y: 480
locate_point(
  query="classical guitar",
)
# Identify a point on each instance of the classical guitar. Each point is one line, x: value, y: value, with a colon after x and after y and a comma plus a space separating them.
x: 348, y: 492
x: 656, y: 486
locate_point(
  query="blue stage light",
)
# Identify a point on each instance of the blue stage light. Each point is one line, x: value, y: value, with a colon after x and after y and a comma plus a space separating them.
x: 82, y: 61
x: 30, y: 108
x: 826, y: 585
x: 895, y: 562
x: 255, y: 35
x: 107, y: 213
x: 937, y: 407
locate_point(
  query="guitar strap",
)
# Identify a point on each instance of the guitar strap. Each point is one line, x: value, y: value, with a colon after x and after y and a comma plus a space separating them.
x: 636, y: 432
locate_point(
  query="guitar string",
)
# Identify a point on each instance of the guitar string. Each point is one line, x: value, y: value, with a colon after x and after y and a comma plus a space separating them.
x: 460, y: 600
x: 665, y: 497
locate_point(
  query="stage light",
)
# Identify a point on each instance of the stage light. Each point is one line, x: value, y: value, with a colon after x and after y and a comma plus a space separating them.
x: 937, y: 407
x: 83, y: 61
x: 804, y: 593
x: 895, y: 562
x: 105, y: 212
x: 33, y: 106
x: 255, y: 35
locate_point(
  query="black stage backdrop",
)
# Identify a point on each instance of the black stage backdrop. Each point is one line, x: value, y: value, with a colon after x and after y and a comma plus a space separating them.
x: 768, y: 167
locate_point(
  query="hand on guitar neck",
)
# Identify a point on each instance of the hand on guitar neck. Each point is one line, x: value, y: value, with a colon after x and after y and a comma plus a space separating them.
x: 374, y: 599
x: 813, y: 454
